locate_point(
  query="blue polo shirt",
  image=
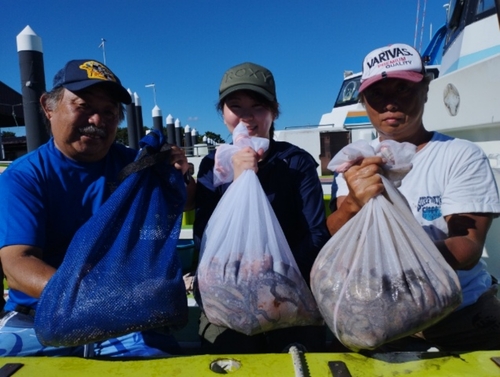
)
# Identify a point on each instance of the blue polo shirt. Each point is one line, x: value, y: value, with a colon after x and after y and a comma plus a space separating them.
x: 47, y: 197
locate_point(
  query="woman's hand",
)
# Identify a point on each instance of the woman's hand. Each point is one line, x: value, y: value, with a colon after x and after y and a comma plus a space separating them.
x: 246, y: 159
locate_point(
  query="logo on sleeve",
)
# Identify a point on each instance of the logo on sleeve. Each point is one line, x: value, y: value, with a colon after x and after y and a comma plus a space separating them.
x: 430, y: 207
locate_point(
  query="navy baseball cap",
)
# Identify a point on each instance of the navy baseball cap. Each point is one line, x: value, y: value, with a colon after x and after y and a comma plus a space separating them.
x: 83, y: 73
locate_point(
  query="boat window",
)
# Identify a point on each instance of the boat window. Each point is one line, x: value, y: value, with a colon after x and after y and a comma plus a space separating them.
x: 462, y: 13
x: 455, y: 8
x: 459, y: 13
x: 432, y: 72
x: 331, y: 142
x: 484, y: 8
x: 484, y: 5
x: 348, y: 93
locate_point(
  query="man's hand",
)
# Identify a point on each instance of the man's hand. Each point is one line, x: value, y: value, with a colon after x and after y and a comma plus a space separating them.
x: 364, y: 183
x: 178, y: 159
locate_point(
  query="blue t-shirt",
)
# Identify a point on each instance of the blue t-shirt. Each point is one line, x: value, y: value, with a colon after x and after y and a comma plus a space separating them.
x: 47, y: 197
x: 289, y: 178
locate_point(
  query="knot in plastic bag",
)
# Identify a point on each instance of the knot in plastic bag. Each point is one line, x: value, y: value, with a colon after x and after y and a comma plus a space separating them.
x: 397, y: 158
x: 223, y: 168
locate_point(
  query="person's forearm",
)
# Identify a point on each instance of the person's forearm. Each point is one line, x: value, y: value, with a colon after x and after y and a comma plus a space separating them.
x: 460, y: 252
x: 25, y: 273
x: 346, y: 211
x: 466, y: 236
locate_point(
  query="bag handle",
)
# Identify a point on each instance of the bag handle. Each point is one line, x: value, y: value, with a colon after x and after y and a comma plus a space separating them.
x: 154, y: 150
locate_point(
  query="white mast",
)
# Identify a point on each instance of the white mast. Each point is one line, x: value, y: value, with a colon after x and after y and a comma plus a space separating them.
x: 152, y: 85
x: 103, y: 41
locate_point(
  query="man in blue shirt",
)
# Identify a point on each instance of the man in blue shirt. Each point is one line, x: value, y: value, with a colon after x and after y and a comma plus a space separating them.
x: 51, y: 192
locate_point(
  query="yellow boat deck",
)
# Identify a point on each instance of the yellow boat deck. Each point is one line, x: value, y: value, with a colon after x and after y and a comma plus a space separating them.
x: 475, y: 364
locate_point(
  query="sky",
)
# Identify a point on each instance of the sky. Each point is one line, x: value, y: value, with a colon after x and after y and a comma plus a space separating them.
x: 185, y: 46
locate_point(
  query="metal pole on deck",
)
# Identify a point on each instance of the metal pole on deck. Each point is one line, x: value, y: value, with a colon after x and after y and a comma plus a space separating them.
x: 178, y: 136
x: 170, y: 129
x: 194, y: 140
x: 131, y: 124
x: 188, y: 146
x: 158, y: 120
x: 138, y: 117
x: 205, y: 140
x: 30, y: 53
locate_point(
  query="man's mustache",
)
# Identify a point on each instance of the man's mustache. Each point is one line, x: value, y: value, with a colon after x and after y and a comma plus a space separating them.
x: 94, y: 131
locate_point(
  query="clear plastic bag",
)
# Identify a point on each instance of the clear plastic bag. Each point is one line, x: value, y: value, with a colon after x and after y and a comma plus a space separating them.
x: 247, y: 277
x: 380, y: 277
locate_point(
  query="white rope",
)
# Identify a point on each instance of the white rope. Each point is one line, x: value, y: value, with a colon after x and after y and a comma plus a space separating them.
x: 297, y: 362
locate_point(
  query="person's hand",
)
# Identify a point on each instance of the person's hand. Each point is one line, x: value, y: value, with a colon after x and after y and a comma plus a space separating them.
x: 189, y: 282
x: 178, y: 159
x: 364, y: 181
x: 246, y: 159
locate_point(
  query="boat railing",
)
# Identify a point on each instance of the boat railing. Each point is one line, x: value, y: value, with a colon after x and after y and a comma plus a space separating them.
x: 4, y: 165
x: 199, y: 150
x: 434, y: 48
x: 301, y: 127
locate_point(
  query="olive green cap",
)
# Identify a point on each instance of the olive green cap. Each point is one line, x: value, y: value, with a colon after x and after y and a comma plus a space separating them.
x: 248, y: 76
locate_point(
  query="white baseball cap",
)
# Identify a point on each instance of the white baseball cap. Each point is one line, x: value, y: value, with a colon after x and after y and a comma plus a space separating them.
x: 396, y: 61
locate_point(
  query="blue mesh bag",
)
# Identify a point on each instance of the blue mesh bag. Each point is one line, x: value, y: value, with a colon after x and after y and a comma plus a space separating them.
x: 122, y: 272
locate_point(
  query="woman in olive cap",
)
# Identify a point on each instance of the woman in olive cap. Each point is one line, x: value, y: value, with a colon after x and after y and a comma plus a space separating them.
x: 288, y: 175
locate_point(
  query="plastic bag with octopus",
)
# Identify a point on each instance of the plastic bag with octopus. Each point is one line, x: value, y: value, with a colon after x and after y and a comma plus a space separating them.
x: 380, y: 277
x: 247, y: 278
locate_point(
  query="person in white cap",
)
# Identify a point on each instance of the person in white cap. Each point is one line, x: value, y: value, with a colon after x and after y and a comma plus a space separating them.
x: 451, y: 191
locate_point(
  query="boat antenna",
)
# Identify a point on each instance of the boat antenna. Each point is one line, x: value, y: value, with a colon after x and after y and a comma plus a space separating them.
x: 416, y: 25
x: 422, y: 28
x: 152, y: 85
x: 103, y: 41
